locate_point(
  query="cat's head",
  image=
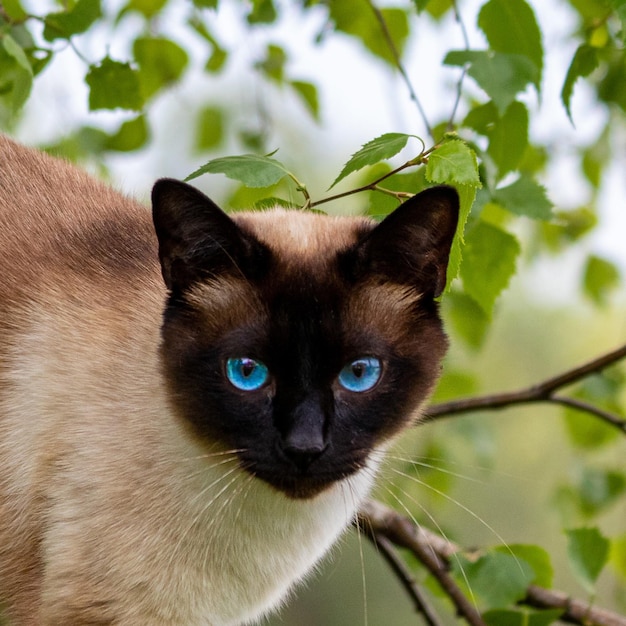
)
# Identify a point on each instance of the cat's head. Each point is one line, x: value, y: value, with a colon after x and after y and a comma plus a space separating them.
x: 301, y: 341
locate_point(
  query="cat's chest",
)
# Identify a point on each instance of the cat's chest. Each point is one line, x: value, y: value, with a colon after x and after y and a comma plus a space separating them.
x: 247, y: 544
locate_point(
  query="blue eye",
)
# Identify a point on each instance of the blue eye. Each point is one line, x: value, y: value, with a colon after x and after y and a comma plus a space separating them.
x: 247, y: 374
x: 360, y: 375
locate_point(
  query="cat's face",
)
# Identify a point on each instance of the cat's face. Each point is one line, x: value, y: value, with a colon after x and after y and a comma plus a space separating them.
x: 303, y: 342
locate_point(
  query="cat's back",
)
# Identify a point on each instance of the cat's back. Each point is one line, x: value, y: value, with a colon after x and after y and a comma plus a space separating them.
x: 57, y: 223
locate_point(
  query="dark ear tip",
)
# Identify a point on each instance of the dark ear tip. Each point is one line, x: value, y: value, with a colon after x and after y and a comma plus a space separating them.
x: 165, y: 186
x: 444, y: 193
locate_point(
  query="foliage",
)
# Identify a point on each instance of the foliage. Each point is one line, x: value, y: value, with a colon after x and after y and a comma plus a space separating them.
x: 483, y: 146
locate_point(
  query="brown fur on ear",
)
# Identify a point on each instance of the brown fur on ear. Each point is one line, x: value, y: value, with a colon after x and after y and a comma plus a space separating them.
x: 412, y: 245
x: 197, y: 239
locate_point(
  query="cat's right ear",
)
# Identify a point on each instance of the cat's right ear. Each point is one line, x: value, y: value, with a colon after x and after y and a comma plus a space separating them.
x: 412, y: 244
x: 196, y: 238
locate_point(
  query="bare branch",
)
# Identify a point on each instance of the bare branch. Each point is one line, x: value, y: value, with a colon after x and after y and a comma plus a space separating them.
x: 541, y: 392
x: 387, y: 549
x: 435, y: 553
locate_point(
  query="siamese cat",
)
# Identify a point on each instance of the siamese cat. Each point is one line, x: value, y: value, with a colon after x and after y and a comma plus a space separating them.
x: 192, y: 405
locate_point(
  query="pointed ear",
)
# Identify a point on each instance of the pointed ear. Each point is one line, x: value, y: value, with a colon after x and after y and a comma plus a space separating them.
x: 196, y: 238
x: 412, y: 244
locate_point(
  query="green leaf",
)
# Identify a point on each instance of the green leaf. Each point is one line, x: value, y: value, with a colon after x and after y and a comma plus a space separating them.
x: 16, y: 75
x: 218, y: 55
x: 78, y: 19
x: 209, y: 128
x: 357, y: 19
x: 536, y: 557
x: 453, y: 163
x: 511, y: 27
x: 251, y: 169
x: 584, y: 62
x: 438, y: 8
x: 525, y: 197
x: 586, y: 432
x: 482, y: 118
x: 14, y: 10
x: 374, y: 151
x: 273, y: 202
x: 308, y: 95
x: 600, y: 278
x: 508, y: 138
x: 521, y: 617
x: 273, y: 65
x: 161, y: 63
x: 206, y: 4
x: 619, y: 6
x: 420, y: 5
x: 263, y: 12
x: 113, y: 85
x: 588, y: 553
x: 131, y: 136
x: 489, y: 259
x: 601, y: 390
x: 148, y: 8
x: 618, y: 554
x: 466, y: 317
x: 502, y: 76
x: 497, y: 579
x: 467, y: 195
x: 599, y: 489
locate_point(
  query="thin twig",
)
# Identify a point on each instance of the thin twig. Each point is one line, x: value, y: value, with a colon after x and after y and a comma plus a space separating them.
x: 387, y: 549
x: 400, y: 66
x: 459, y: 86
x: 370, y: 186
x: 586, y: 407
x: 402, y: 532
x: 430, y: 548
x: 541, y: 392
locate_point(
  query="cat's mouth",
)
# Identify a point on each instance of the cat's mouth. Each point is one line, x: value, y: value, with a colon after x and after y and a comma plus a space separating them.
x: 301, y: 483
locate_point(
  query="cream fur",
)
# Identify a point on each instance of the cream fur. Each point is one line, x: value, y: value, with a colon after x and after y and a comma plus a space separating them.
x: 111, y: 510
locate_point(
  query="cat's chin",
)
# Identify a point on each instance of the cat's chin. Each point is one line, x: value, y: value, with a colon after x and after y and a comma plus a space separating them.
x: 301, y: 486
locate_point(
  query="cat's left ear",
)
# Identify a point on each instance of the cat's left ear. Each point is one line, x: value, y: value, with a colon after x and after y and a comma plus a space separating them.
x: 196, y: 238
x: 412, y: 244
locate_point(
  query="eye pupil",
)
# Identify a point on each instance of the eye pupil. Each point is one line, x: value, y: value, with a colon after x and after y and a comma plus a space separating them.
x: 246, y: 374
x: 247, y: 367
x: 360, y: 375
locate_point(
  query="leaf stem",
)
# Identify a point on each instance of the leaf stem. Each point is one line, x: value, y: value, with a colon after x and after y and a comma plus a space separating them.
x: 301, y: 187
x: 374, y: 185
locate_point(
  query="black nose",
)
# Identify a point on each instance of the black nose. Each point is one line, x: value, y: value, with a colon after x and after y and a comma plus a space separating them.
x: 303, y: 455
x: 302, y: 446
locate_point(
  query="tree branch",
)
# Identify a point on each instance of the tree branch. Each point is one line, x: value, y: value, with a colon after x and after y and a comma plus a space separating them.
x: 387, y: 523
x: 435, y: 553
x: 541, y: 392
x: 387, y: 549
